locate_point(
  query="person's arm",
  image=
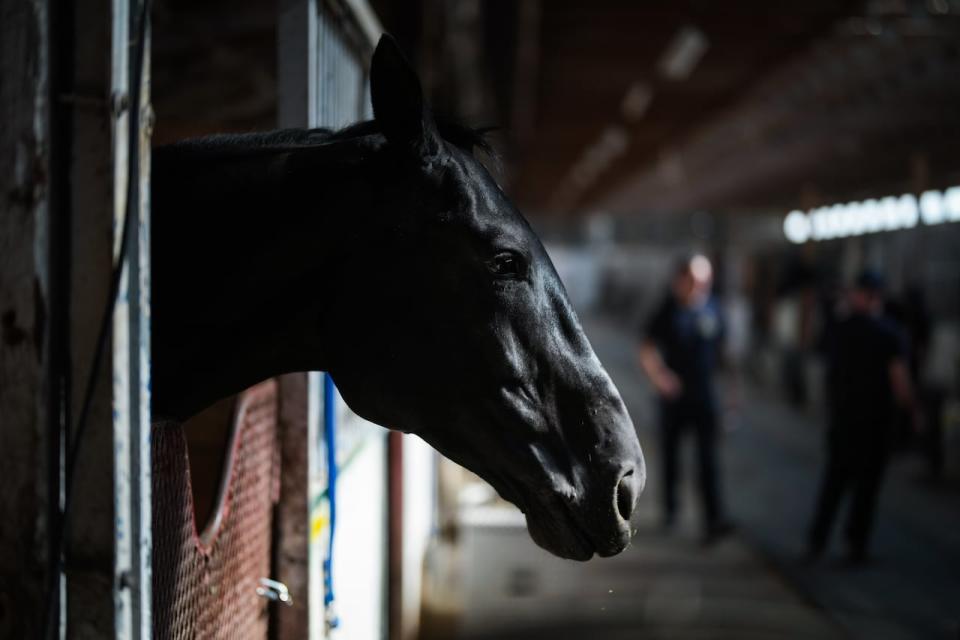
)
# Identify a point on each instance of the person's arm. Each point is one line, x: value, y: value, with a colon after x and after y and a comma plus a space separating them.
x: 903, y: 392
x: 900, y: 382
x: 729, y: 365
x: 663, y: 378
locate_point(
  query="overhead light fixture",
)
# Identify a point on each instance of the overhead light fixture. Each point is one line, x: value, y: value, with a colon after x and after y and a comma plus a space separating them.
x: 870, y: 216
x: 636, y: 102
x: 595, y: 159
x: 611, y: 144
x: 683, y: 53
x: 670, y: 167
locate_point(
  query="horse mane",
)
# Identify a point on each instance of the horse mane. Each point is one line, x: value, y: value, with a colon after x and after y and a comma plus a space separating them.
x: 470, y: 139
x: 463, y: 136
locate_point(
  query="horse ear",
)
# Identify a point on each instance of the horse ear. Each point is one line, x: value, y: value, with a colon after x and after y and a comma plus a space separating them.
x: 397, y: 97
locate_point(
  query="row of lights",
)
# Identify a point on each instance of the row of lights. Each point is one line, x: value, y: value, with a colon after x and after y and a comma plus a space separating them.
x: 871, y: 216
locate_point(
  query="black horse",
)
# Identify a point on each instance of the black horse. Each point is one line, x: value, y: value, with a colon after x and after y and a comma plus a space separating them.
x: 386, y: 255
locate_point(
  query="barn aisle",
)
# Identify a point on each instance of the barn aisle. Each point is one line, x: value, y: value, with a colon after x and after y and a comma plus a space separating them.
x: 497, y: 584
x: 665, y: 585
x: 661, y: 587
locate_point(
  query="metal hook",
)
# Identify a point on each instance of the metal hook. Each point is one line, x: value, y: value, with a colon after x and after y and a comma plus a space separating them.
x: 274, y: 590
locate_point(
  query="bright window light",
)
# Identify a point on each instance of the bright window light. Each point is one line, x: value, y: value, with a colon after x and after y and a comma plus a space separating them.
x: 869, y: 216
x: 796, y: 226
x: 952, y: 199
x: 931, y: 207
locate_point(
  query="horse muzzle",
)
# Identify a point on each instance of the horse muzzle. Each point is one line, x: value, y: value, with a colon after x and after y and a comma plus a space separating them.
x: 596, y: 520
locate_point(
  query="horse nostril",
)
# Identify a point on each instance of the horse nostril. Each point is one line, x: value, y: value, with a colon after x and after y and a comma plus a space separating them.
x: 626, y: 495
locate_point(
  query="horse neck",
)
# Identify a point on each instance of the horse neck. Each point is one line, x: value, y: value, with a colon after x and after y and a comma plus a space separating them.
x: 239, y: 257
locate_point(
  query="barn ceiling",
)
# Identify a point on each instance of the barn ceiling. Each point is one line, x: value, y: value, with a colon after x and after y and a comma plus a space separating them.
x: 630, y: 106
x: 616, y: 94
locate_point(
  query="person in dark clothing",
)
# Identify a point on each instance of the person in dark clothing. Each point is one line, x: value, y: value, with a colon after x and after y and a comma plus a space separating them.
x: 909, y: 312
x: 679, y: 352
x: 868, y: 382
x: 913, y: 314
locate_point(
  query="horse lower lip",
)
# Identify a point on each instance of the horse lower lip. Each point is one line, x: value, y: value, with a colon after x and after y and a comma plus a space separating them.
x: 610, y: 546
x: 578, y: 533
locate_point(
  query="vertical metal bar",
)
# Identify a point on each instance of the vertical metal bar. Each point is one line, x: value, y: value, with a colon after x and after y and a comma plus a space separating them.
x: 120, y: 89
x: 343, y: 71
x: 330, y: 81
x: 131, y: 332
x: 323, y: 65
x: 141, y: 468
x: 297, y: 63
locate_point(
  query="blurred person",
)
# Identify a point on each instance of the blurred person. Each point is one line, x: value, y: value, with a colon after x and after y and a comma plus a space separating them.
x: 913, y: 314
x: 679, y: 351
x: 910, y: 314
x: 868, y: 380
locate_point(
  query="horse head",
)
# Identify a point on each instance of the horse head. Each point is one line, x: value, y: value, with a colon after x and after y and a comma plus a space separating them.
x: 459, y: 330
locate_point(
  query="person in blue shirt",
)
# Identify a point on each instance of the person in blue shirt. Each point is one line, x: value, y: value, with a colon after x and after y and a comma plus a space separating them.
x: 679, y: 352
x: 868, y: 383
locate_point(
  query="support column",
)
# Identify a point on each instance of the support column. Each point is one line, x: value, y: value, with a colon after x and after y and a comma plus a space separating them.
x: 26, y: 386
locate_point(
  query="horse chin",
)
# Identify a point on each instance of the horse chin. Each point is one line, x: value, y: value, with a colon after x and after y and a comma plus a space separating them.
x: 554, y: 527
x: 561, y: 538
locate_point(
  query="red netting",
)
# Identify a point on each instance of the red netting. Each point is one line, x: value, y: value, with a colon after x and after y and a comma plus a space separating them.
x: 205, y: 585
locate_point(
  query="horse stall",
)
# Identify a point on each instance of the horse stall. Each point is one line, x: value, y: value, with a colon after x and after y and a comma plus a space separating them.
x: 277, y: 512
x: 283, y: 511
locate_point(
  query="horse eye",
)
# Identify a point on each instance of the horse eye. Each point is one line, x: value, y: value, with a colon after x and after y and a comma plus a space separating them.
x: 507, y: 264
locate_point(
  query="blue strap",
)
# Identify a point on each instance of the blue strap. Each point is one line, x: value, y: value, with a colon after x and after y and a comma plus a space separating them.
x: 330, y: 436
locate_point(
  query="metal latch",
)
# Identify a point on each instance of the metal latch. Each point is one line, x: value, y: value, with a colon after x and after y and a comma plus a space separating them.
x: 274, y: 590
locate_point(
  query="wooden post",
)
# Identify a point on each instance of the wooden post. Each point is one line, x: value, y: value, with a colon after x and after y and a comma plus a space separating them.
x: 291, y: 524
x: 395, y: 535
x: 27, y: 385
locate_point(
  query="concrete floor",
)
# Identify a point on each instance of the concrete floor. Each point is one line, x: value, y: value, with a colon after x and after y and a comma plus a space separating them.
x: 751, y: 585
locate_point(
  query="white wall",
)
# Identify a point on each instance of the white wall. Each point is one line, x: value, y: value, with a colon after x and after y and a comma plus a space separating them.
x: 360, y: 539
x: 360, y: 543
